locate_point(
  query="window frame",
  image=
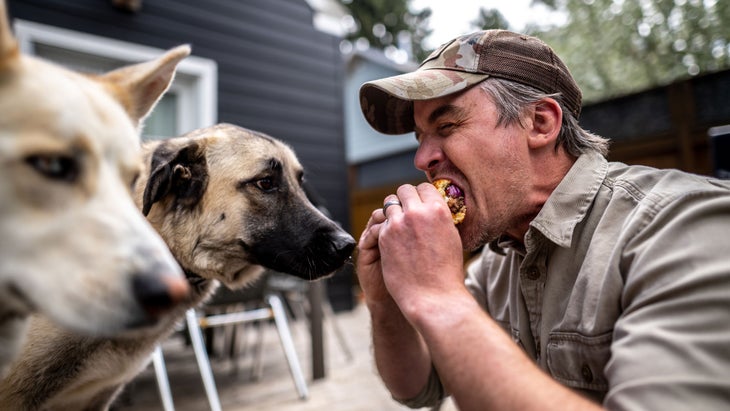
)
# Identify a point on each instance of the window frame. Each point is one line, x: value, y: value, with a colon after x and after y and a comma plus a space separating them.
x: 195, y: 84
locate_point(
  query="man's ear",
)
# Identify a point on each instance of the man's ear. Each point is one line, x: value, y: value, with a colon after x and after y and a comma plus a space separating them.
x: 178, y: 171
x: 546, y: 118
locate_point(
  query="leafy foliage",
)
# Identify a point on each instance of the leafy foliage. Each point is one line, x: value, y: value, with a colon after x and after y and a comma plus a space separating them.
x: 490, y: 19
x: 615, y: 47
x: 388, y: 25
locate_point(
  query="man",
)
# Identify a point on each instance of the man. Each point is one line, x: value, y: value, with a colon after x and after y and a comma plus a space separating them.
x: 604, y: 285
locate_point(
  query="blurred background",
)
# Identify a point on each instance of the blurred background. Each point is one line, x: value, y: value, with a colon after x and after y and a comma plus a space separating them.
x: 655, y: 76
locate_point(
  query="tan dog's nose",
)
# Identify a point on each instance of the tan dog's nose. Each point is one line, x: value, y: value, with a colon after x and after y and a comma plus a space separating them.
x: 343, y: 243
x: 158, y: 294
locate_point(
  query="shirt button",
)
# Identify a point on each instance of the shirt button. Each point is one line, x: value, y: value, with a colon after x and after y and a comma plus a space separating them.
x: 587, y: 374
x: 533, y: 274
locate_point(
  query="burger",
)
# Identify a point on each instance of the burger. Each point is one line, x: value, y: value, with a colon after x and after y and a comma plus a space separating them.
x: 454, y: 198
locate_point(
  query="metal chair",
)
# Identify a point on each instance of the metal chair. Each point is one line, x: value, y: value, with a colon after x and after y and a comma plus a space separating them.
x: 196, y: 320
x: 295, y: 293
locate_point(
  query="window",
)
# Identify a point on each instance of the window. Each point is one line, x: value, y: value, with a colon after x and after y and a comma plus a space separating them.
x: 190, y: 103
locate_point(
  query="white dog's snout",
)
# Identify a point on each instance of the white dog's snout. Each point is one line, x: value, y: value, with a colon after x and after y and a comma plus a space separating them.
x: 158, y: 294
x: 158, y: 282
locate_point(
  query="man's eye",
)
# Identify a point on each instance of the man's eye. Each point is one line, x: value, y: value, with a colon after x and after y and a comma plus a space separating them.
x: 446, y: 128
x: 265, y: 184
x: 63, y: 168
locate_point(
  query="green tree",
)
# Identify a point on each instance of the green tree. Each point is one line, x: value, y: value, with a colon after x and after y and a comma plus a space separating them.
x: 614, y: 47
x: 389, y: 25
x: 490, y: 19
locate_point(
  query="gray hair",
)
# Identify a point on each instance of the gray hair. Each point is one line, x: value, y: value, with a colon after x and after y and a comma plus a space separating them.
x: 511, y: 99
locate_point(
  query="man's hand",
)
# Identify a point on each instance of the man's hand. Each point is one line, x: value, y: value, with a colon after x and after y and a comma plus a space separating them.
x: 369, y: 271
x: 401, y: 355
x: 420, y: 250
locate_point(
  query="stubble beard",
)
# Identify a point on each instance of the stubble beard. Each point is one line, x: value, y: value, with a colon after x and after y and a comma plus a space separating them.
x: 483, y: 234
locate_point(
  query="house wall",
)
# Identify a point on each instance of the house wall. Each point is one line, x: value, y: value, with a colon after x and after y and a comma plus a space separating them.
x: 276, y: 74
x: 665, y: 127
x: 364, y: 143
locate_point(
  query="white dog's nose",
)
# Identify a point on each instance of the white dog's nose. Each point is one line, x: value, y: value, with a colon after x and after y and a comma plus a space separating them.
x: 158, y: 294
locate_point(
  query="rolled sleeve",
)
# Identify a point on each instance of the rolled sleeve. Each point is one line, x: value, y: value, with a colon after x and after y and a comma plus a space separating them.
x: 430, y: 396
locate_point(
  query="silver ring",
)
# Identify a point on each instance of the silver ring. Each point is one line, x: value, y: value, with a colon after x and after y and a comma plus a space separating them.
x: 388, y: 204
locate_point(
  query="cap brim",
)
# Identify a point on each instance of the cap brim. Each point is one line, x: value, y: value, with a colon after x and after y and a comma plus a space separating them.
x: 387, y: 103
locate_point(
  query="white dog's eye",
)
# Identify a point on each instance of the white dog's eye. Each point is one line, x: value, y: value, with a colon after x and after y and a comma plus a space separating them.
x: 55, y: 167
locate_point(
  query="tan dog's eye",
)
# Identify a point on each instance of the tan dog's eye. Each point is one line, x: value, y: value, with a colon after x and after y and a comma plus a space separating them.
x: 266, y: 184
x: 56, y: 167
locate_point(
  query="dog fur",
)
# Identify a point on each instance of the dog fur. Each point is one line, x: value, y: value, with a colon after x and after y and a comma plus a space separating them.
x: 73, y: 245
x: 227, y: 201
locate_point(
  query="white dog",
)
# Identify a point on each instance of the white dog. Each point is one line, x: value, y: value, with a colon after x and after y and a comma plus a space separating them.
x: 73, y: 245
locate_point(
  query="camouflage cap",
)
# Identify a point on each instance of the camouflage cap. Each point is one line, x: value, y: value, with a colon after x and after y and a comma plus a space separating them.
x: 464, y: 61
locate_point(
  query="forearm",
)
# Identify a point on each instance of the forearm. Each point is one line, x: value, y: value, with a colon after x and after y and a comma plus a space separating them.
x: 401, y: 356
x: 482, y: 368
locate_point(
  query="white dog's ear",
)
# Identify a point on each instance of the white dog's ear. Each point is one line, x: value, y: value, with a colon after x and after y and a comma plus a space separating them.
x: 8, y: 44
x: 139, y: 87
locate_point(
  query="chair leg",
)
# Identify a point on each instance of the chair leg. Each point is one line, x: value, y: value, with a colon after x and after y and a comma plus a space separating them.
x: 287, y: 343
x: 201, y: 355
x: 158, y: 361
x: 257, y: 366
x: 329, y: 316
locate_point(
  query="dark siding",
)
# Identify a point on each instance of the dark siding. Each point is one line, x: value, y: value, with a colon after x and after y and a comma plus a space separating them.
x: 276, y: 72
x: 629, y: 117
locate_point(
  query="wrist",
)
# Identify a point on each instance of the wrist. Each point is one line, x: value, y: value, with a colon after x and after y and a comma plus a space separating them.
x: 382, y: 308
x: 444, y: 312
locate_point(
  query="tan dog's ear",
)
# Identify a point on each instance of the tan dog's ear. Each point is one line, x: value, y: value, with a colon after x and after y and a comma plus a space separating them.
x: 180, y: 171
x: 138, y: 87
x: 8, y: 44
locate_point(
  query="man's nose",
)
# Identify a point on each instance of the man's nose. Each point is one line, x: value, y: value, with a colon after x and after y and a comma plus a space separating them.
x: 428, y: 155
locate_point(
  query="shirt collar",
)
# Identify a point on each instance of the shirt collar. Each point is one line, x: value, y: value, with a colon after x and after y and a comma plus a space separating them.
x: 569, y: 203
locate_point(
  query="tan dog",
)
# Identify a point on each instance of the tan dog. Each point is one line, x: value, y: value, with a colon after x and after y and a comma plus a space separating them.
x: 73, y: 246
x: 227, y: 201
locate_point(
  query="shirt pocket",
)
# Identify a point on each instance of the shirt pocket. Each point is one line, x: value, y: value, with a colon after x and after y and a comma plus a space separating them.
x: 578, y: 361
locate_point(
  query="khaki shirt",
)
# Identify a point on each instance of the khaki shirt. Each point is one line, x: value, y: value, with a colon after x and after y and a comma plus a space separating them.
x: 622, y: 289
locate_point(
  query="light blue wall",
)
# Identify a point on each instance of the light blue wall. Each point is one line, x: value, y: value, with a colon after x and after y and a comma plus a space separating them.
x: 362, y: 142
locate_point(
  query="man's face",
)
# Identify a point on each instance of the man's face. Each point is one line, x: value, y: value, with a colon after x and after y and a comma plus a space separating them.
x: 459, y: 139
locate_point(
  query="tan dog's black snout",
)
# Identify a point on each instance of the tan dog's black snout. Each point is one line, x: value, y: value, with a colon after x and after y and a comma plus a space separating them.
x: 343, y: 245
x: 307, y: 244
x: 334, y: 247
